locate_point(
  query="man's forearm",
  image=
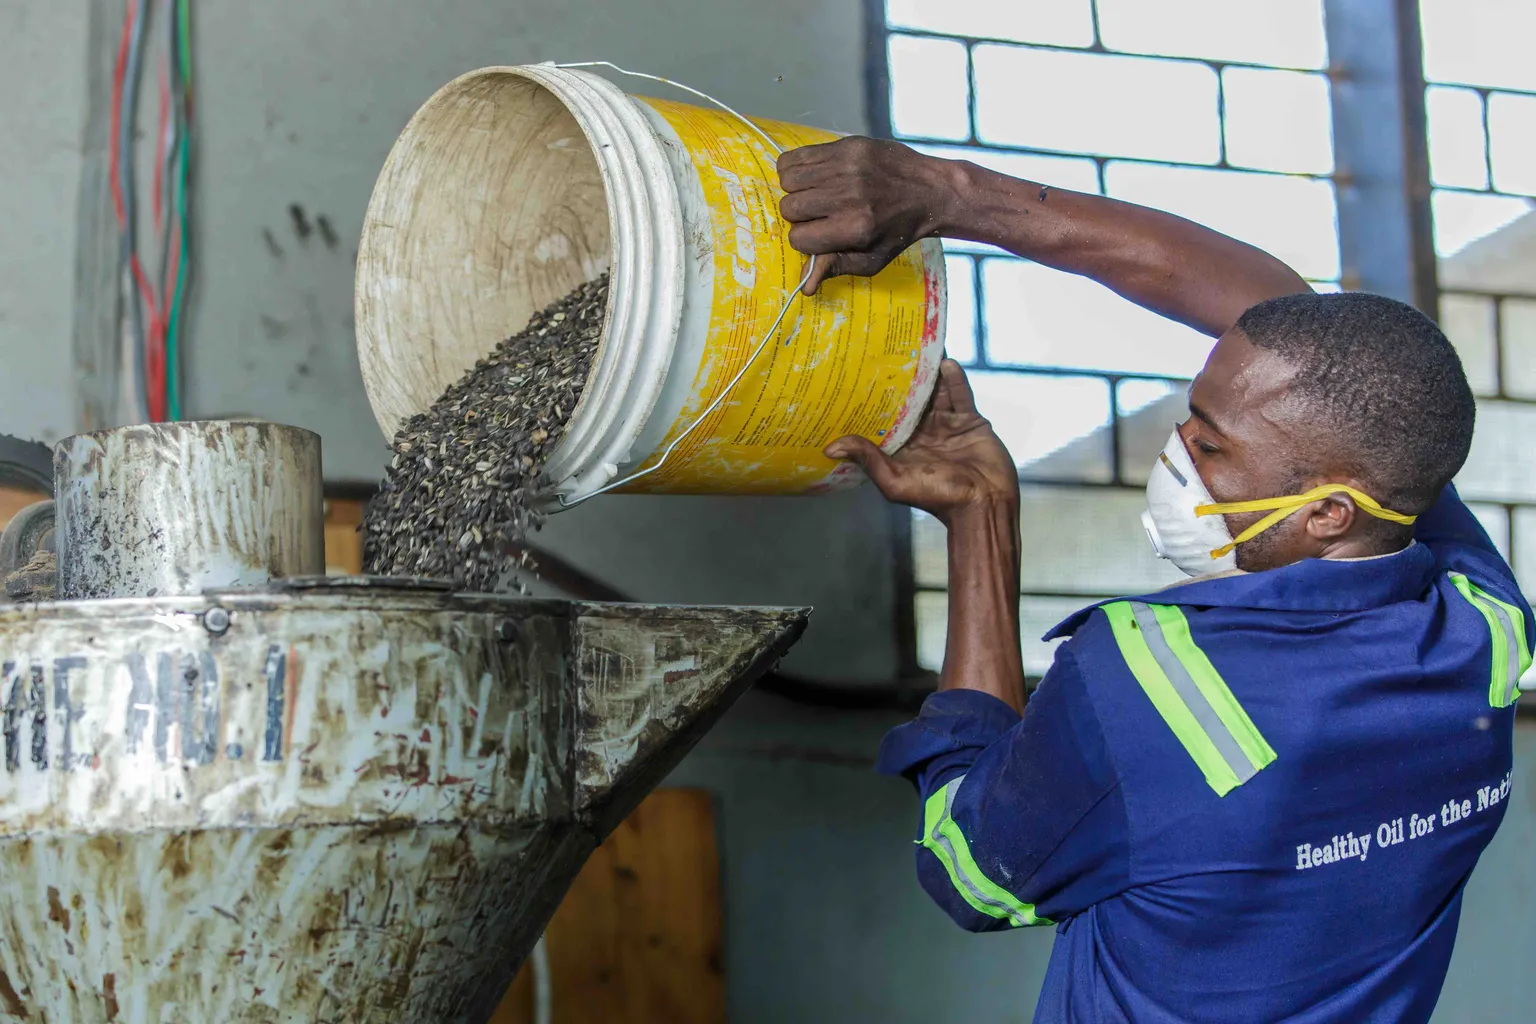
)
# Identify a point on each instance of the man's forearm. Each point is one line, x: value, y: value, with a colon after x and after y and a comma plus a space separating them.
x: 1168, y: 264
x: 982, y: 652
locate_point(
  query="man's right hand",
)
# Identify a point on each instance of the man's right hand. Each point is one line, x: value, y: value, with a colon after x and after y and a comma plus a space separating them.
x: 856, y: 204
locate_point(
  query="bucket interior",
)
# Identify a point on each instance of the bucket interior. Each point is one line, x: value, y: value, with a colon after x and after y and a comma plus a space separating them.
x: 490, y: 207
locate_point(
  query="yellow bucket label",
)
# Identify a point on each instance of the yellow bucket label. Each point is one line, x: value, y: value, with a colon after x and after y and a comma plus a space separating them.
x: 842, y: 362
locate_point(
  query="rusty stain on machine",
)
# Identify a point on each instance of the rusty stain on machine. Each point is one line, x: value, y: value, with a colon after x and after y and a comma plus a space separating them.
x: 326, y: 800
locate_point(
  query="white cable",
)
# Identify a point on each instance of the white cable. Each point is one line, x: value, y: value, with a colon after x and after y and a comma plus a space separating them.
x: 679, y: 85
x: 543, y: 994
x: 783, y: 311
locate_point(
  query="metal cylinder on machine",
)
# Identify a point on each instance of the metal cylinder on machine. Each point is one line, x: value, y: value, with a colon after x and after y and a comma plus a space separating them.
x: 167, y: 509
x: 514, y: 185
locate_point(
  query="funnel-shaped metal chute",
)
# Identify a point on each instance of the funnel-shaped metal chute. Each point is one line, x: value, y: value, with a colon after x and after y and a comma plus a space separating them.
x: 339, y: 801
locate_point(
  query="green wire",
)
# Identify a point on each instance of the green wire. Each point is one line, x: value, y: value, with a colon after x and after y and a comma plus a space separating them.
x: 173, y: 324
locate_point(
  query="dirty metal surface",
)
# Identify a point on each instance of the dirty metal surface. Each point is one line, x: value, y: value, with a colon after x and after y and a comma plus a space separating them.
x: 164, y: 509
x: 323, y: 804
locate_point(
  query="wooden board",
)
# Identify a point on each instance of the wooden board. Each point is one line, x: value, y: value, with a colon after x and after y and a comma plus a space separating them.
x: 13, y: 500
x: 637, y: 940
x: 343, y: 542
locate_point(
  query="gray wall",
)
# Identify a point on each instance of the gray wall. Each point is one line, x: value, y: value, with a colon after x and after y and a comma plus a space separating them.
x: 300, y: 101
x: 43, y: 70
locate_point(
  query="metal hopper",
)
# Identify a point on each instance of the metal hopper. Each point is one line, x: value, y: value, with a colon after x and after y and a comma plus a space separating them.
x: 348, y: 799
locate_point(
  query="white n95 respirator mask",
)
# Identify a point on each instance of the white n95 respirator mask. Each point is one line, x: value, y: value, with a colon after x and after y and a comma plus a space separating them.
x: 1188, y: 527
x: 1174, y: 491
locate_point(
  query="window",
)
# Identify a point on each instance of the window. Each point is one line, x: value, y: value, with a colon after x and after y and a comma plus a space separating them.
x: 1480, y: 111
x: 1212, y: 110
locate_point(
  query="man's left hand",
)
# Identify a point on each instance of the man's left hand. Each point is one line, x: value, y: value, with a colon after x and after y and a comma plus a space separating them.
x: 953, y: 463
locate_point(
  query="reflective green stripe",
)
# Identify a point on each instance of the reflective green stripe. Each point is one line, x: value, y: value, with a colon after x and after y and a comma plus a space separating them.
x: 1256, y: 751
x: 1506, y: 628
x: 942, y: 836
x: 1189, y: 693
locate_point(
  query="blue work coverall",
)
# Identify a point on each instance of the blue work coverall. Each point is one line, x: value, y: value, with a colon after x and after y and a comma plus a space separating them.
x: 1255, y: 797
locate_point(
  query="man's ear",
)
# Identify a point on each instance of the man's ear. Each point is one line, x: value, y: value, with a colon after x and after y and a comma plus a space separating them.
x: 1332, y: 517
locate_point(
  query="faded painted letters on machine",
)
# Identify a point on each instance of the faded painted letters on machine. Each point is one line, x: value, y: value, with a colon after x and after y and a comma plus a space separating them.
x: 240, y: 723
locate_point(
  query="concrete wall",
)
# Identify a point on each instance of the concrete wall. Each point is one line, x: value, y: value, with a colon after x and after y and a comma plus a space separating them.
x: 43, y: 70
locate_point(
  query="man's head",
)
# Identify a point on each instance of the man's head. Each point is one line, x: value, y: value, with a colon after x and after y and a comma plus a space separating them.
x: 1312, y: 389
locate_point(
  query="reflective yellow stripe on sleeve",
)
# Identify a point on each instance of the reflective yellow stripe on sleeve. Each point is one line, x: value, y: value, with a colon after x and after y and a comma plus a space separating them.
x: 1506, y: 629
x: 942, y: 836
x: 1189, y: 693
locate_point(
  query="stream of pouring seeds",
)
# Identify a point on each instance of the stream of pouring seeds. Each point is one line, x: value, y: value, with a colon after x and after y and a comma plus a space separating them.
x: 454, y: 504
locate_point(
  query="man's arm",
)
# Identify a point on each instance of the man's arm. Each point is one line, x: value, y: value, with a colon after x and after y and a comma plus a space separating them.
x: 858, y: 203
x: 955, y: 468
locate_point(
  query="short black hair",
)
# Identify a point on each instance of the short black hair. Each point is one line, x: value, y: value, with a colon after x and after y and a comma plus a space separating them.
x: 1384, y: 379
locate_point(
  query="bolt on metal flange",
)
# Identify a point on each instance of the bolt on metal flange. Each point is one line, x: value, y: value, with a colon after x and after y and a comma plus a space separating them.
x: 216, y: 620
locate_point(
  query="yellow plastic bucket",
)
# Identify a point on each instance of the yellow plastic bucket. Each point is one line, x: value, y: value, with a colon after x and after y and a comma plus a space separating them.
x: 511, y: 186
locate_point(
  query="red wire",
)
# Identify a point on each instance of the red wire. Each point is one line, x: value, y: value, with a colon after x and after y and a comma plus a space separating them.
x: 118, y: 72
x: 165, y: 116
x: 154, y: 343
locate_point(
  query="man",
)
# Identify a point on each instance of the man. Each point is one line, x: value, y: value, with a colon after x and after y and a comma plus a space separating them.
x: 1255, y: 796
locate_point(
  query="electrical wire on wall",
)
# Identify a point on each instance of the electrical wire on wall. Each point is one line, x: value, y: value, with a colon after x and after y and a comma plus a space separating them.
x: 155, y: 308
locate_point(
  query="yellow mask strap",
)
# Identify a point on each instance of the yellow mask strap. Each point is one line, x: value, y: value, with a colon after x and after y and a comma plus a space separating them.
x: 1284, y: 507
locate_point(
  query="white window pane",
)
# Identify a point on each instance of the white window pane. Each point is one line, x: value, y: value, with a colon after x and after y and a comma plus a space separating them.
x: 1479, y: 42
x: 1524, y: 528
x: 1105, y: 551
x: 1286, y: 33
x: 1097, y: 103
x: 930, y: 88
x: 1512, y: 142
x: 930, y: 551
x: 1498, y: 263
x: 1462, y: 218
x: 976, y: 248
x: 1076, y: 173
x: 932, y: 614
x: 1037, y: 615
x: 1037, y: 316
x: 1278, y: 120
x: 1294, y: 219
x: 1502, y: 464
x: 1058, y: 22
x: 960, y: 329
x: 1469, y: 321
x: 1456, y: 139
x: 1149, y: 409
x: 1495, y: 519
x: 1519, y: 324
x: 1056, y: 427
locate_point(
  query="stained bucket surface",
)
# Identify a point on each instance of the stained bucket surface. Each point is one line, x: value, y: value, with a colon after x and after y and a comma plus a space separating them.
x: 513, y: 185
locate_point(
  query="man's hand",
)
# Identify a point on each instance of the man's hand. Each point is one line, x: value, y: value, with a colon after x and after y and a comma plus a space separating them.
x: 953, y: 463
x: 857, y: 203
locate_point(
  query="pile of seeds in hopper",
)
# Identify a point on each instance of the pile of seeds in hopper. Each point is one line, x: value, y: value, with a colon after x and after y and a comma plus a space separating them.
x: 455, y: 500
